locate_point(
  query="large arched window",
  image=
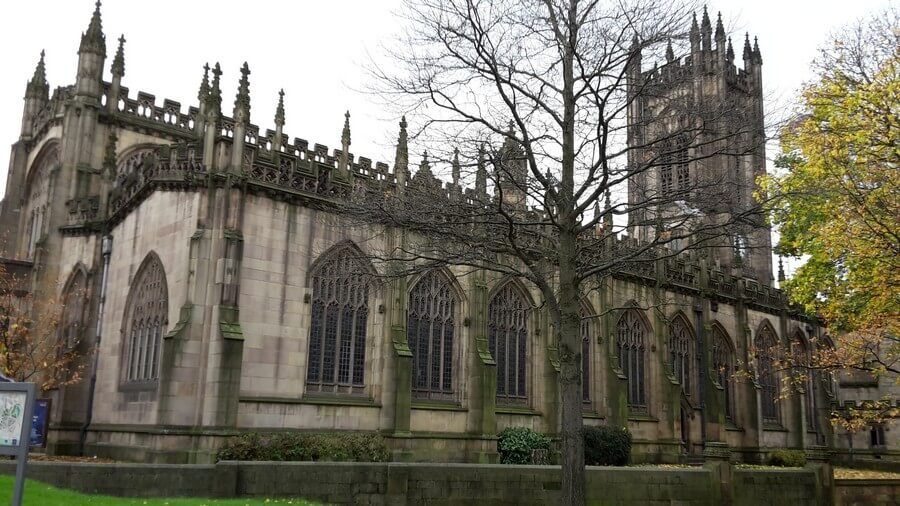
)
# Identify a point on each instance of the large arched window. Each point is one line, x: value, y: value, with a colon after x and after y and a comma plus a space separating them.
x: 723, y: 368
x: 431, y: 328
x: 146, y: 319
x: 675, y: 171
x: 681, y: 346
x: 587, y: 336
x: 508, y: 341
x: 340, y: 313
x: 38, y: 195
x: 72, y: 324
x: 804, y: 378
x: 630, y: 337
x: 766, y: 351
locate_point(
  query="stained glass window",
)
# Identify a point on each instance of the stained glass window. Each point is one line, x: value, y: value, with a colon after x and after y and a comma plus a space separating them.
x: 766, y: 343
x: 431, y: 328
x: 147, y: 318
x: 340, y: 312
x: 723, y: 368
x: 508, y: 315
x: 630, y: 346
x: 680, y: 352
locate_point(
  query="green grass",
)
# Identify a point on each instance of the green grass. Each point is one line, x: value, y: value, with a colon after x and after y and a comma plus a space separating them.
x: 41, y: 494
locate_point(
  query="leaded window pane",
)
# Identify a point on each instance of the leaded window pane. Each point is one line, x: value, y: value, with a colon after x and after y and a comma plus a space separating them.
x: 508, y: 315
x: 147, y: 318
x: 630, y: 332
x: 585, y: 357
x: 337, y: 336
x: 803, y: 360
x: 431, y: 332
x: 766, y: 343
x: 723, y: 366
x: 680, y: 347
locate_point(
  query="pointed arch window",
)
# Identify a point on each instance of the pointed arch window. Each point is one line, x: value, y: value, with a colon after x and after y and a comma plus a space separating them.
x: 146, y: 320
x: 723, y: 368
x: 508, y: 315
x: 803, y: 361
x: 340, y: 314
x: 587, y: 335
x: 431, y: 329
x: 72, y: 328
x: 681, y: 346
x: 766, y: 349
x: 630, y: 346
x: 675, y: 171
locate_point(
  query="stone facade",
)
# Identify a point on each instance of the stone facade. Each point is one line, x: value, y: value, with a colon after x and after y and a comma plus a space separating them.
x: 238, y: 219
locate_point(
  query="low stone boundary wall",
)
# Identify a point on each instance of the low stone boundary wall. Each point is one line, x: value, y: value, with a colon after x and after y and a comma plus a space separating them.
x: 448, y: 484
x: 868, y: 492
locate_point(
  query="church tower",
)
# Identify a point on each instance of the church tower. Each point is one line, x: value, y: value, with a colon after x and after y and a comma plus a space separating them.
x: 697, y: 145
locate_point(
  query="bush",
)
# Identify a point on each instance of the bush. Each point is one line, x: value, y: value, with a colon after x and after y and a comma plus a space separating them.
x: 787, y: 458
x: 606, y: 446
x: 515, y: 444
x: 300, y: 446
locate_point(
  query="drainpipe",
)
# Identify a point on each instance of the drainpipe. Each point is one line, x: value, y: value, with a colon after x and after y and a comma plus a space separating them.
x: 105, y: 251
x: 701, y: 345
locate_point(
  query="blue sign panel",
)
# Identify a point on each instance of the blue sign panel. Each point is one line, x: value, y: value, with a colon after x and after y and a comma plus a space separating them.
x: 39, y: 422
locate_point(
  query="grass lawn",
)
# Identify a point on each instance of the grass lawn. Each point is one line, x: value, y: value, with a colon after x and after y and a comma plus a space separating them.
x: 40, y: 494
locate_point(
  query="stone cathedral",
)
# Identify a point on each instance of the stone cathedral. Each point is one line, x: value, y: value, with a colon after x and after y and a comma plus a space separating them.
x: 197, y: 255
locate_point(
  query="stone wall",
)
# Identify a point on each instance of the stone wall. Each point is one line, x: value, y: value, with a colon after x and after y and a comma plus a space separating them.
x: 452, y: 484
x: 868, y: 492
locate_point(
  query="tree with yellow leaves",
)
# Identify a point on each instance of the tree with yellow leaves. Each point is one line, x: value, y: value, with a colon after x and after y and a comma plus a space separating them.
x: 837, y: 203
x: 32, y: 348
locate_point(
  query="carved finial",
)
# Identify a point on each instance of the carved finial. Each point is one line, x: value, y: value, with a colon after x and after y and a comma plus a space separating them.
x: 279, y: 109
x: 481, y: 172
x: 729, y: 54
x: 695, y: 34
x: 706, y: 29
x: 781, y: 275
x: 720, y: 29
x: 203, y: 94
x: 118, y: 64
x: 345, y: 133
x: 670, y: 54
x: 38, y: 87
x: 748, y: 52
x: 215, y: 93
x: 242, y: 99
x: 456, y: 167
x: 401, y: 158
x: 608, y: 218
x: 93, y: 39
x: 757, y: 56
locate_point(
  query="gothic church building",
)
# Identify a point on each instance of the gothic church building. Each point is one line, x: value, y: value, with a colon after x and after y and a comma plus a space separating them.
x: 197, y: 254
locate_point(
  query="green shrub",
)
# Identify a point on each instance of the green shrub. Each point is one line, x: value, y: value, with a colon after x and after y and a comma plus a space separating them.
x: 787, y: 458
x: 606, y: 446
x: 515, y: 444
x: 300, y: 446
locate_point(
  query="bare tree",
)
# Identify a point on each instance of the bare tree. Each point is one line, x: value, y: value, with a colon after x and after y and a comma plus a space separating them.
x: 543, y: 112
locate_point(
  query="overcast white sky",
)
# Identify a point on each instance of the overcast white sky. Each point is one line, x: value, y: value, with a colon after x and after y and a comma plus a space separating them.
x: 315, y: 50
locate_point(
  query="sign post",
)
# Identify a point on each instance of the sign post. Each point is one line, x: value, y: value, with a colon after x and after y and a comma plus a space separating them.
x: 16, y: 411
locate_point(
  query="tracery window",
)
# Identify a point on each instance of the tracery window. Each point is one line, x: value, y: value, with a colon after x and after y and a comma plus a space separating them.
x: 340, y: 313
x: 586, y: 338
x: 723, y: 367
x: 675, y: 171
x: 680, y: 351
x: 803, y: 359
x: 431, y: 328
x: 146, y: 317
x: 38, y: 194
x: 508, y: 342
x: 766, y: 343
x: 73, y: 317
x: 630, y: 346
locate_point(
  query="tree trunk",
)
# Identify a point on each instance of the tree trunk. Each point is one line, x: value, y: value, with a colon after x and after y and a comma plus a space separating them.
x: 569, y: 339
